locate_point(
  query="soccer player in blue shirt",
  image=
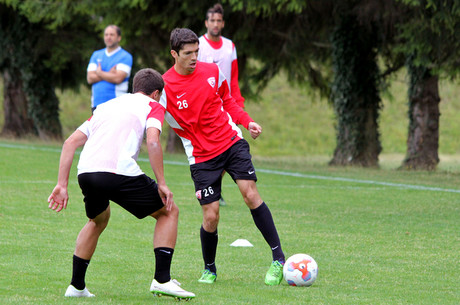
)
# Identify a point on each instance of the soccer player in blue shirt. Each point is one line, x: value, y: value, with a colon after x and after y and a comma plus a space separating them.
x: 109, y: 69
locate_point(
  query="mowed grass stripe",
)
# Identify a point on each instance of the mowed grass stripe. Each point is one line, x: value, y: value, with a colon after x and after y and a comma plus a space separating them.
x: 275, y: 172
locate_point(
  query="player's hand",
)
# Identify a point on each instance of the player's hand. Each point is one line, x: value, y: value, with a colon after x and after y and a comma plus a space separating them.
x: 166, y: 196
x: 255, y: 129
x: 99, y: 71
x: 58, y: 198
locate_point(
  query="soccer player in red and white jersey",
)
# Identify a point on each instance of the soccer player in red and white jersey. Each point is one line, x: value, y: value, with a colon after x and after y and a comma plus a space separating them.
x: 204, y: 115
x: 107, y: 170
x: 220, y: 50
x: 214, y: 48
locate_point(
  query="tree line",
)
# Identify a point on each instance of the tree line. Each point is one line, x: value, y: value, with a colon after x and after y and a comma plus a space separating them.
x: 346, y: 50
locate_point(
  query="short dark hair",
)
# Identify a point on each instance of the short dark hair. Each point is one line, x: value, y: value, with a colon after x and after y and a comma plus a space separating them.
x: 147, y: 81
x: 181, y: 36
x: 216, y: 9
x: 117, y: 29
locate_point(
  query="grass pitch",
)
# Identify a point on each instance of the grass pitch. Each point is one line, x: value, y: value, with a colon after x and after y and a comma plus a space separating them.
x: 379, y: 236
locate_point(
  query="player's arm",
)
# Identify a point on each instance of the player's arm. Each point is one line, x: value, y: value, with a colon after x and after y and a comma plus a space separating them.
x: 237, y: 113
x: 92, y: 77
x: 113, y: 76
x: 59, y: 197
x: 242, y: 117
x: 234, y: 85
x: 155, y: 152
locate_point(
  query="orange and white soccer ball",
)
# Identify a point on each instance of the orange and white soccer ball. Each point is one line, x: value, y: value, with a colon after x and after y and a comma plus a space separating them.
x: 300, y: 270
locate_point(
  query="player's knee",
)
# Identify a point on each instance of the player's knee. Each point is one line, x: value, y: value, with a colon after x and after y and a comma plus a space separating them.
x: 174, y: 212
x: 98, y: 226
x: 101, y: 221
x: 212, y: 219
x: 251, y: 197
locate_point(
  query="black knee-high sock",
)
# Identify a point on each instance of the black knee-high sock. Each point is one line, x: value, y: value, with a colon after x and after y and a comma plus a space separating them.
x: 264, y: 222
x: 78, y: 272
x: 163, y: 258
x: 209, y: 248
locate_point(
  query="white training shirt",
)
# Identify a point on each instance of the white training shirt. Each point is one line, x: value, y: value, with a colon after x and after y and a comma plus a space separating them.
x: 223, y: 56
x: 115, y: 133
x: 222, y: 53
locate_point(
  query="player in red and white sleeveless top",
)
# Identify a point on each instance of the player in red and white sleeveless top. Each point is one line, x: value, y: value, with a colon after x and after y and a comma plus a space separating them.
x: 214, y: 48
x: 204, y: 115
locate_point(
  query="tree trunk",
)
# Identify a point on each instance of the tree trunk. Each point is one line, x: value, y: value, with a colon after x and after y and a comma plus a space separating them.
x: 43, y: 104
x: 17, y: 121
x: 30, y: 102
x: 358, y: 144
x: 423, y: 138
x: 355, y: 95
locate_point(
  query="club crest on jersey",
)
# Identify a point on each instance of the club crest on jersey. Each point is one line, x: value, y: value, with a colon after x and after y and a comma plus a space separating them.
x: 212, y: 81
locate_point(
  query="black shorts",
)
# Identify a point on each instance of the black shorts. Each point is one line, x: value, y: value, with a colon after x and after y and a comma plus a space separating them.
x: 207, y: 175
x: 138, y: 195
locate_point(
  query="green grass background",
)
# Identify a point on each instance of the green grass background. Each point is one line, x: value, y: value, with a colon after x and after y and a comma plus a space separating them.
x: 375, y: 243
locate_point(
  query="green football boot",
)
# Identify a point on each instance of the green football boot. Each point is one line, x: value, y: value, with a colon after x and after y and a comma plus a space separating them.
x: 207, y: 277
x: 274, y: 274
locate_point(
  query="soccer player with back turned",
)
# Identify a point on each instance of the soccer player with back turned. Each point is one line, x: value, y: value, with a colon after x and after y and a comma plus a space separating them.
x: 107, y: 170
x: 205, y: 116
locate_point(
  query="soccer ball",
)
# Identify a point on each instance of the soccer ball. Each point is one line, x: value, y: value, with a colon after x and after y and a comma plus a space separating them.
x: 300, y: 270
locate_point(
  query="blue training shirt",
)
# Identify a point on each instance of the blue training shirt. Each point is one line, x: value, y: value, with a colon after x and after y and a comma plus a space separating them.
x: 103, y: 91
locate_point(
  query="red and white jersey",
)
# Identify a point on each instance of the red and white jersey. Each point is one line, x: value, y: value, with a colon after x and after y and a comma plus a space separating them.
x: 202, y: 112
x: 222, y: 53
x: 115, y: 133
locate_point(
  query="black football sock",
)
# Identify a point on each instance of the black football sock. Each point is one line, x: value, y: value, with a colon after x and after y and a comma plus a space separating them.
x: 264, y: 222
x: 209, y: 248
x: 78, y: 272
x: 163, y: 258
